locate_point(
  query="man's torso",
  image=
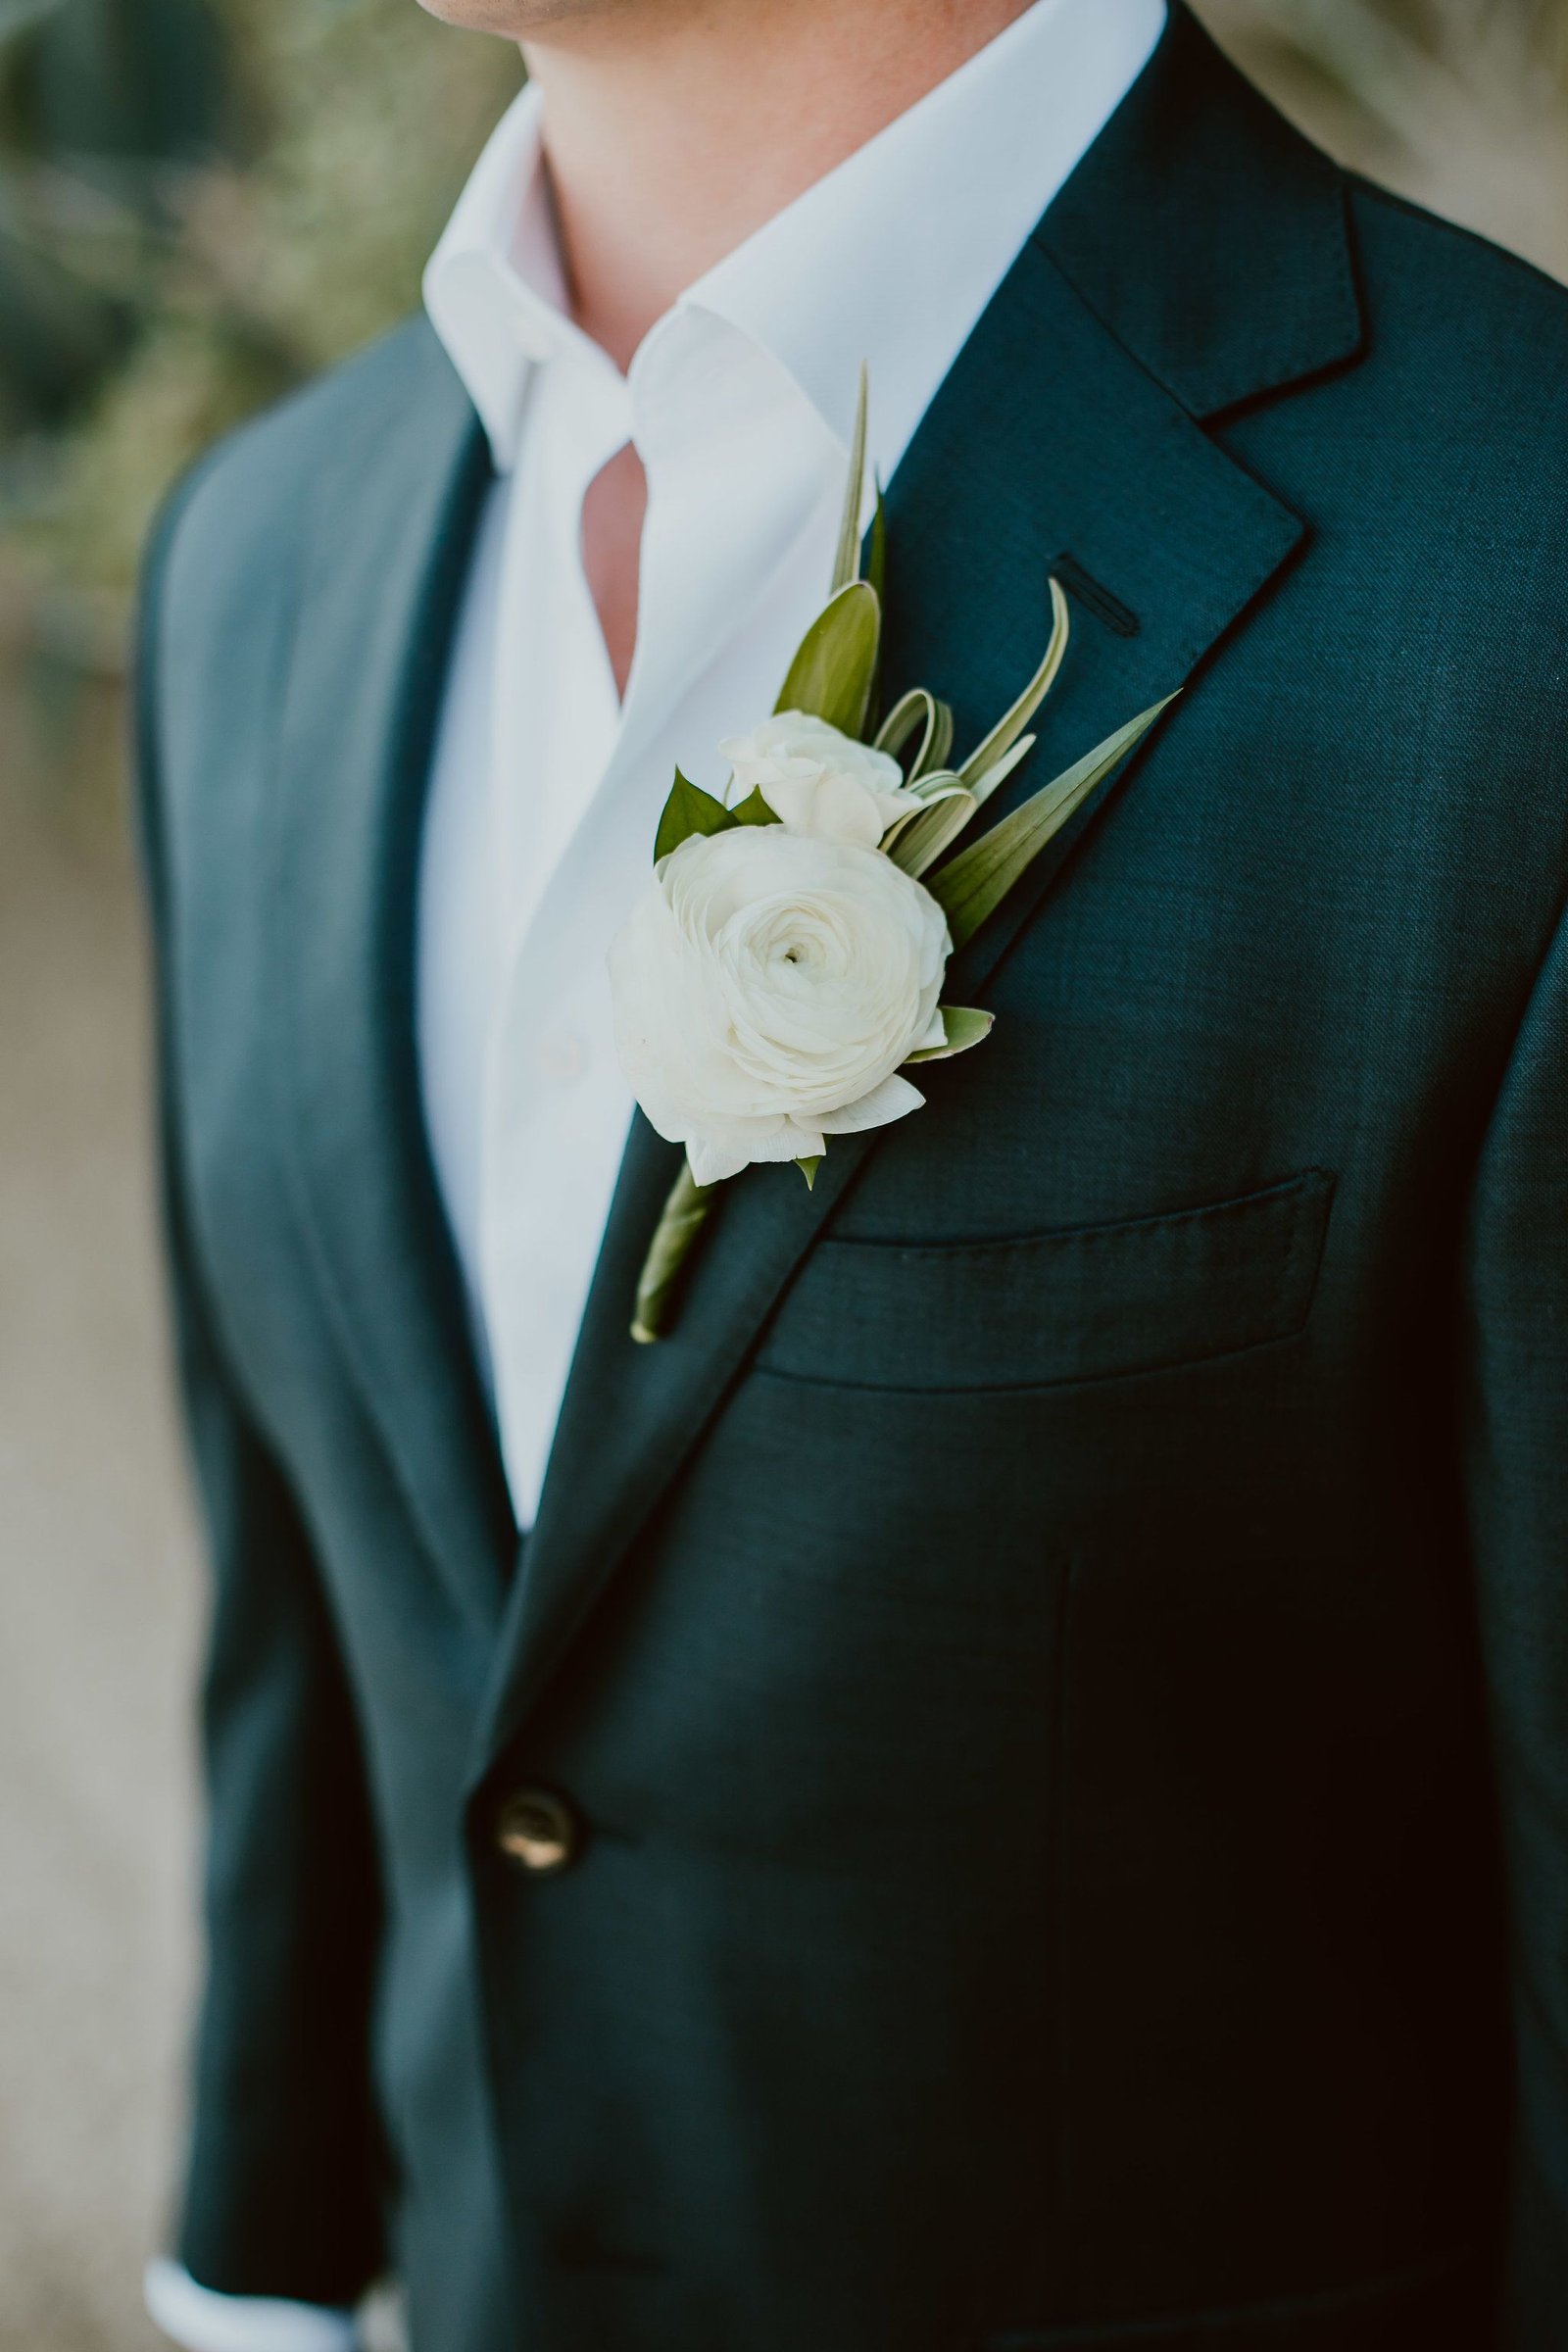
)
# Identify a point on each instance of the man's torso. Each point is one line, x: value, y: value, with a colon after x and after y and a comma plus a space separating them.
x: 1013, y: 1648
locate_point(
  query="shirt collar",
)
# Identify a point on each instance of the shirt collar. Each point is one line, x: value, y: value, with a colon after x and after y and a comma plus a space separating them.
x: 889, y: 259
x: 494, y: 287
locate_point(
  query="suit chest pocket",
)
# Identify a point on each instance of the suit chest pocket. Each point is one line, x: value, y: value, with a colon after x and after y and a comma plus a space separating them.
x: 1144, y: 1294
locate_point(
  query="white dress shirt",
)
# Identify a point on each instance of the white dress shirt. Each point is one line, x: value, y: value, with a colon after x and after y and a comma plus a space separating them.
x: 546, y: 788
x: 546, y: 791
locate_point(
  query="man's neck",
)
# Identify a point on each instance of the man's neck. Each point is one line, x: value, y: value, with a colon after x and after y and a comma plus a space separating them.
x: 675, y: 128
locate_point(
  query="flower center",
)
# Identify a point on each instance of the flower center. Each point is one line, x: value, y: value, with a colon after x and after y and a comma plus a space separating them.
x: 798, y: 948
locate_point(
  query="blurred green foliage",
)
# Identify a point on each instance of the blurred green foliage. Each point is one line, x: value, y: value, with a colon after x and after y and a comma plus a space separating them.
x: 1460, y: 104
x: 200, y: 201
x: 94, y: 110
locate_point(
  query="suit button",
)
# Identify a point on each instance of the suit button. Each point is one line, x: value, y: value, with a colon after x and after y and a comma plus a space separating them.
x: 538, y: 1830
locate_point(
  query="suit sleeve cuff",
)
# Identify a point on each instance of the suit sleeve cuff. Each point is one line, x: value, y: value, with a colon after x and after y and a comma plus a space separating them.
x: 201, y: 2321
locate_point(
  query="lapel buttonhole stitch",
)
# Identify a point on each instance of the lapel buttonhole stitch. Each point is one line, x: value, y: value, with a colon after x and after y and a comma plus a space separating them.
x: 1087, y: 591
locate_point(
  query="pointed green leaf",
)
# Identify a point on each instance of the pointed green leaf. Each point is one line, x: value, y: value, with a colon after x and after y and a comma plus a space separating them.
x: 934, y: 782
x: 831, y: 675
x: 932, y: 757
x: 940, y: 785
x: 1004, y: 768
x: 875, y: 577
x: 917, y: 840
x: 809, y: 1168
x: 688, y: 811
x: 964, y: 1026
x: 907, y: 713
x: 846, y: 558
x: 974, y: 883
x: 876, y: 559
x: 754, y: 810
x: 918, y: 707
x: 1008, y: 729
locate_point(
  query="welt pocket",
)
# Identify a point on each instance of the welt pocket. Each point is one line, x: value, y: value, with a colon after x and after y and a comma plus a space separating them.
x: 1442, y: 2306
x: 1082, y: 1303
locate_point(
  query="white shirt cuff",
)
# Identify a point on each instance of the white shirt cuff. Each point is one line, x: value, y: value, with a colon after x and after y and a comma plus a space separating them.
x: 200, y: 2321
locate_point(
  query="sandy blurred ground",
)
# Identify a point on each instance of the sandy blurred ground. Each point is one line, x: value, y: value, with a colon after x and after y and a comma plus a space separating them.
x: 100, y: 1584
x: 99, y: 1590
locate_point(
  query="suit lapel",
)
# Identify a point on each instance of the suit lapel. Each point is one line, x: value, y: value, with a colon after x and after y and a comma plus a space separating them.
x: 1059, y: 433
x: 396, y: 510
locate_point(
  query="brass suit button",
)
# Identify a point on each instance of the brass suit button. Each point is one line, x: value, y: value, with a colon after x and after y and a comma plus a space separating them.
x: 537, y: 1830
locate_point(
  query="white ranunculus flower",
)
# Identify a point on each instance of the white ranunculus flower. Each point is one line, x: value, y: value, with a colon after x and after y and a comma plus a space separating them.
x: 818, y: 780
x: 766, y: 987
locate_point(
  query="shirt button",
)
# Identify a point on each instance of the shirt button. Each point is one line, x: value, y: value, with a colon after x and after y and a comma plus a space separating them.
x: 563, y: 1056
x: 538, y: 1830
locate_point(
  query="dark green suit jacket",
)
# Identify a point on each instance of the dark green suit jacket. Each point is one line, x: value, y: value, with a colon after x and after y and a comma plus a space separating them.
x: 1060, y: 1665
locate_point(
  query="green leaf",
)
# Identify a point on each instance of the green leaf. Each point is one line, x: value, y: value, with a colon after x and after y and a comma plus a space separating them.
x: 1008, y: 729
x: 964, y: 1026
x: 809, y: 1168
x: 918, y: 707
x: 974, y: 883
x: 688, y: 811
x: 685, y: 1213
x: 917, y: 840
x: 846, y: 558
x: 906, y: 715
x: 754, y: 810
x: 876, y: 559
x: 831, y: 675
x: 999, y: 772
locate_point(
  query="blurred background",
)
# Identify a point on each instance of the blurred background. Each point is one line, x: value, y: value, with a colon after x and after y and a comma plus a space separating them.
x: 202, y: 201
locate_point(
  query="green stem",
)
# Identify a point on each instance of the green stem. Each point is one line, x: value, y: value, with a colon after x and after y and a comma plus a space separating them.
x: 684, y: 1215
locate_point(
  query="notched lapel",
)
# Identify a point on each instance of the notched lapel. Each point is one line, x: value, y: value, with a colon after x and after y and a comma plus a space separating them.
x: 1051, y: 432
x: 394, y: 525
x: 1223, y: 263
x: 1021, y: 455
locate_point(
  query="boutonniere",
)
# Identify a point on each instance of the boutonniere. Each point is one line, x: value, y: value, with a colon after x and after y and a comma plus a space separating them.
x: 783, y: 970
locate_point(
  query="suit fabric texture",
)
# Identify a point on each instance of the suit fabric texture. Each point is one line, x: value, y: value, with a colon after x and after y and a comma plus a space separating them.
x: 1060, y: 1660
